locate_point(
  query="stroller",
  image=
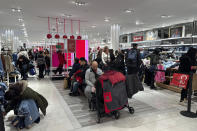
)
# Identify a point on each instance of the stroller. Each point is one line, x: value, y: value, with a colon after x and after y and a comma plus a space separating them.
x: 111, y: 95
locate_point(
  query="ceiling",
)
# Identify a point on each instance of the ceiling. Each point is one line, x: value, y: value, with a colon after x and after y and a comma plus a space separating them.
x: 35, y: 13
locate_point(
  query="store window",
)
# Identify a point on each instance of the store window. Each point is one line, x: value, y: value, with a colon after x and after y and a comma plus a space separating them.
x: 123, y: 39
x: 188, y: 29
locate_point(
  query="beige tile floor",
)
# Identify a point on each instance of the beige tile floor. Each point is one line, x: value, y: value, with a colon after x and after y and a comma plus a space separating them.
x: 166, y: 118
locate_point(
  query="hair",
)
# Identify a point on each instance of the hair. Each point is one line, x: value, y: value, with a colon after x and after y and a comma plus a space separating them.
x: 192, y: 53
x: 134, y: 45
x: 105, y: 48
x: 82, y: 59
x: 76, y: 60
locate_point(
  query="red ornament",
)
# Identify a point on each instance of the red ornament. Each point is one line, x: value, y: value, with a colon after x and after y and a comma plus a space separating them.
x: 57, y: 36
x: 72, y: 37
x: 65, y: 37
x: 79, y: 37
x: 98, y: 48
x: 49, y: 36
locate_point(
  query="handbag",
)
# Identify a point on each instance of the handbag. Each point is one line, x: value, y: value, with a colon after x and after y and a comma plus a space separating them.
x: 65, y: 83
x: 32, y: 71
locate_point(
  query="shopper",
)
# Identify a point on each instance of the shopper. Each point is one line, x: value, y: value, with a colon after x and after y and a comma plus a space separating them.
x: 154, y: 60
x: 31, y: 55
x: 62, y: 61
x: 105, y: 58
x: 19, y: 92
x: 188, y: 64
x: 41, y: 64
x: 91, y: 76
x: 133, y: 62
x: 119, y: 64
x: 75, y: 67
x: 23, y: 64
x: 47, y: 62
x: 99, y: 58
x: 79, y: 77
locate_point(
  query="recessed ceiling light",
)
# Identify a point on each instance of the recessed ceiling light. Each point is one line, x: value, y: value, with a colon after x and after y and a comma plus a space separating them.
x: 139, y: 22
x: 93, y: 26
x: 20, y: 19
x: 79, y: 3
x: 166, y: 16
x: 107, y: 19
x: 129, y: 10
x: 23, y: 24
x: 16, y: 10
x: 13, y: 10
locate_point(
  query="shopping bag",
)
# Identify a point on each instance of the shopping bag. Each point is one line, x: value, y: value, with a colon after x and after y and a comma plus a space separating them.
x: 32, y: 71
x: 65, y: 83
x: 194, y: 82
x: 180, y: 80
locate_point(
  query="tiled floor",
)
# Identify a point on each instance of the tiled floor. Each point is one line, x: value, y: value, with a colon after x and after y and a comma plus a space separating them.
x: 155, y: 111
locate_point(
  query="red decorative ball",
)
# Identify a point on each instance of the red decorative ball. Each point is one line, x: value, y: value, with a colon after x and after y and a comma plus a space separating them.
x: 98, y: 48
x: 65, y: 37
x: 72, y: 37
x: 57, y: 36
x: 79, y: 37
x: 49, y: 36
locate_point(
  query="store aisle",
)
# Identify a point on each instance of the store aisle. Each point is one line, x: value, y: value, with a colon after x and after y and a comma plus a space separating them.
x: 155, y: 111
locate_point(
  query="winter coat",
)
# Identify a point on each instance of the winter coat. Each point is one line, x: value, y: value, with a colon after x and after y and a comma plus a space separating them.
x: 47, y: 61
x: 133, y: 68
x: 22, y: 92
x: 22, y: 63
x: 90, y: 77
x: 9, y: 67
x: 133, y: 85
x: 185, y: 64
x: 75, y: 67
x: 61, y: 59
x: 23, y: 53
x: 40, y: 60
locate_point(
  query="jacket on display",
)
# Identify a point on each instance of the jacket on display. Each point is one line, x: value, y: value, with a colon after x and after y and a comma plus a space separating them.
x: 160, y: 76
x: 133, y: 85
x: 26, y: 93
x: 61, y: 59
x: 9, y: 67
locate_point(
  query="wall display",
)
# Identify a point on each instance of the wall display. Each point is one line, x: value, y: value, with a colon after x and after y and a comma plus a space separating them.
x: 71, y: 46
x: 82, y: 49
x: 176, y: 32
x: 152, y: 35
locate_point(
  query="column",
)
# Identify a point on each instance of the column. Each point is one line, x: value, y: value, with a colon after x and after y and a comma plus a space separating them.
x: 115, y: 33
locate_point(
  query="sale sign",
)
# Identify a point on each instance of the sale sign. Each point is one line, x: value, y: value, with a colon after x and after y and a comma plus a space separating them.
x: 71, y: 46
x: 137, y: 38
x: 180, y: 80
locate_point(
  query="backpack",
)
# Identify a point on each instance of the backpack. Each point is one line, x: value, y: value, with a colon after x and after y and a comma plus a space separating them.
x: 132, y: 55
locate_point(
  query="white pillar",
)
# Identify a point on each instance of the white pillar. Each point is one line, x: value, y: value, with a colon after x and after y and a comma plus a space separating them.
x: 115, y: 33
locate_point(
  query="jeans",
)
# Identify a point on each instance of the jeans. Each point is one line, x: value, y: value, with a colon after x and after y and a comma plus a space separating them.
x: 41, y: 70
x: 75, y: 87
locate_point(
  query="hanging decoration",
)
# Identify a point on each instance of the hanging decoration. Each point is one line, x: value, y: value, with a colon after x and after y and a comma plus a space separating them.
x: 65, y: 36
x: 79, y: 37
x: 57, y: 36
x: 49, y: 36
x: 72, y: 36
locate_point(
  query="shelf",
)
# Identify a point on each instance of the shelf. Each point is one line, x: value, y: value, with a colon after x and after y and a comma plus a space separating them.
x: 169, y: 87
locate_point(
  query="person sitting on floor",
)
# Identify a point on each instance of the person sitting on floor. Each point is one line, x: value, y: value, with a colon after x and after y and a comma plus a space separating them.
x: 19, y: 92
x: 79, y: 77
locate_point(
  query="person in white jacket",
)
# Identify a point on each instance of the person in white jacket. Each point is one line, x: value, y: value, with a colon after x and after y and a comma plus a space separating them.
x: 91, y: 76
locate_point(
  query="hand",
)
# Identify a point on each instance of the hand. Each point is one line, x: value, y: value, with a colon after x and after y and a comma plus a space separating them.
x: 194, y: 67
x: 93, y: 89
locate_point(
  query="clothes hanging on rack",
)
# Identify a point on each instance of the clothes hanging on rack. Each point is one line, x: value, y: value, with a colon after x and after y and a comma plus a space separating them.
x: 9, y: 67
x: 160, y: 76
x: 1, y: 68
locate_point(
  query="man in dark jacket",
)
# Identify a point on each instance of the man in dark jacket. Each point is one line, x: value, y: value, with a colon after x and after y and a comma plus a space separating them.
x: 41, y: 64
x: 23, y: 64
x: 19, y: 92
x: 79, y: 77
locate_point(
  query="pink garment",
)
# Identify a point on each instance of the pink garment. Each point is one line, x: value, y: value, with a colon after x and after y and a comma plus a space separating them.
x: 160, y: 76
x: 55, y: 61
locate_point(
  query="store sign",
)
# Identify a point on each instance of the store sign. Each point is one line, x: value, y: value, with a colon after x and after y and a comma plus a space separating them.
x: 71, y: 46
x: 137, y: 38
x: 180, y: 80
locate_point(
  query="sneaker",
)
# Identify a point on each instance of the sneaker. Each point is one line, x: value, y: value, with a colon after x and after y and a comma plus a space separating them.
x: 182, y: 103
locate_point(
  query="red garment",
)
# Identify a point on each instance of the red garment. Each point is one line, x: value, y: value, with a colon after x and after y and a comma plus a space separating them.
x: 61, y: 59
x: 78, y: 77
x: 113, y: 76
